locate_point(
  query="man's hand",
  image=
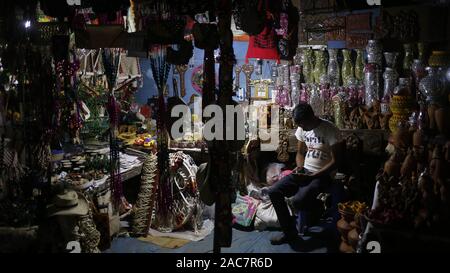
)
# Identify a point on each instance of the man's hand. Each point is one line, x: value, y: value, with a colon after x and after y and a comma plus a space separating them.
x: 297, y: 170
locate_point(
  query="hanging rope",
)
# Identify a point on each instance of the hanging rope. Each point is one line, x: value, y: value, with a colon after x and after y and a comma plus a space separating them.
x: 145, y: 200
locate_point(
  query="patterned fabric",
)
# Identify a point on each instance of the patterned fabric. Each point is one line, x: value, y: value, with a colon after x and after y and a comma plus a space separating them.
x: 266, y: 39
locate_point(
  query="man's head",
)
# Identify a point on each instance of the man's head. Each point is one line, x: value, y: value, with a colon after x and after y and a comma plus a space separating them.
x: 304, y: 117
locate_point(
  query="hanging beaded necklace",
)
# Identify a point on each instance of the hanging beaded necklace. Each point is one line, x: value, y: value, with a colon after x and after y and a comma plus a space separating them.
x: 111, y: 60
x: 160, y: 69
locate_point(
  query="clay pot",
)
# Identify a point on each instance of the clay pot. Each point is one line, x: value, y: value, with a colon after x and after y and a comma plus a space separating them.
x: 343, y: 227
x: 353, y: 238
x: 402, y: 137
x: 418, y: 138
x: 437, y: 165
x: 346, y: 248
x: 392, y: 166
x: 442, y: 119
x: 409, y: 165
x: 431, y: 109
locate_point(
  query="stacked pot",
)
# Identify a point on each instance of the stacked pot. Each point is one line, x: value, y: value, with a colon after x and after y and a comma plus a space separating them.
x: 402, y: 104
x: 349, y: 226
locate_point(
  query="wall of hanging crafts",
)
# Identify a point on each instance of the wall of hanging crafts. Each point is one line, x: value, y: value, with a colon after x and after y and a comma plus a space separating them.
x: 26, y: 106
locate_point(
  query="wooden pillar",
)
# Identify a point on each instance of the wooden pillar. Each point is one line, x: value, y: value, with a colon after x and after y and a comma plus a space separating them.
x: 220, y: 156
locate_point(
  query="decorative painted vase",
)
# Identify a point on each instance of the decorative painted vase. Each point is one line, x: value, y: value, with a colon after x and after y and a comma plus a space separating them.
x: 339, y: 102
x: 418, y: 73
x: 432, y: 87
x: 307, y: 61
x: 391, y: 59
x: 408, y: 58
x: 371, y: 84
x: 347, y: 67
x: 334, y: 72
x: 359, y: 65
x: 320, y: 66
x: 421, y: 50
x: 374, y: 52
x: 402, y: 104
x: 316, y: 101
x: 390, y: 77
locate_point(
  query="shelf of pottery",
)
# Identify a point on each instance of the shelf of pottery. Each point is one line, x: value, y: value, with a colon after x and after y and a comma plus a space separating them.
x: 365, y: 90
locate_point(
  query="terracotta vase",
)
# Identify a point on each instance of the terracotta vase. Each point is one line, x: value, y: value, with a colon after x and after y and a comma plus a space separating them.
x: 353, y: 238
x: 442, y: 119
x: 343, y: 227
x: 418, y: 138
x: 432, y: 122
x: 402, y: 137
x: 346, y: 248
x: 392, y: 166
x: 409, y: 165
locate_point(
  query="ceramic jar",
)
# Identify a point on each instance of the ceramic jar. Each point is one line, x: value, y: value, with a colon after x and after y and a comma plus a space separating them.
x: 374, y: 52
x: 421, y: 52
x: 371, y: 84
x: 359, y: 65
x: 319, y: 66
x: 418, y: 73
x: 339, y: 102
x: 347, y: 67
x: 390, y: 77
x: 432, y: 87
x: 391, y: 59
x: 402, y: 104
x: 408, y: 58
x: 316, y: 101
x: 307, y: 61
x: 334, y: 71
x: 304, y: 92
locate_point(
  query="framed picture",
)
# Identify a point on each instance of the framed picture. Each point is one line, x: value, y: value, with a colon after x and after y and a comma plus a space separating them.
x: 261, y: 89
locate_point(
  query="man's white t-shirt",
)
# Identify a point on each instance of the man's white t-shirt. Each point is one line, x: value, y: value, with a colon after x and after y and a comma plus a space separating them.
x: 318, y: 142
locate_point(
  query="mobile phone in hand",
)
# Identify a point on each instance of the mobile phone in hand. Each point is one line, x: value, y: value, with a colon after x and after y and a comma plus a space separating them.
x: 298, y: 170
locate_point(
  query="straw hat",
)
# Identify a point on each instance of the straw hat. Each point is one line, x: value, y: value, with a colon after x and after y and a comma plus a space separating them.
x: 68, y: 203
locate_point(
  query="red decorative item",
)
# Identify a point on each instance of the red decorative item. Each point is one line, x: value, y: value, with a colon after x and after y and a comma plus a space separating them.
x: 263, y: 46
x: 146, y: 111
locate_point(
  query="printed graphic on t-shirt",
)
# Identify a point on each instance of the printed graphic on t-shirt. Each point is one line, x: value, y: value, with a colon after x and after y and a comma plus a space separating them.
x: 318, y: 142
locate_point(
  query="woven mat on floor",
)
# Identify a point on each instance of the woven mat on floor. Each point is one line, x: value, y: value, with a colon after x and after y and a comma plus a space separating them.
x: 166, y: 242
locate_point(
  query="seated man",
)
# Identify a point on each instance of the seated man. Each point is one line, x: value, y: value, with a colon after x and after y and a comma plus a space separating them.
x: 316, y: 159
